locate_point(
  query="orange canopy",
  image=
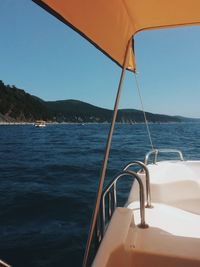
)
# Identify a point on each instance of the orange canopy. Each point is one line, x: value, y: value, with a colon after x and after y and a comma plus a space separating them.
x: 110, y: 24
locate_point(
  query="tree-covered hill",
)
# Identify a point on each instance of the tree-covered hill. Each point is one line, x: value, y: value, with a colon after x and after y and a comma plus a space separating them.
x: 78, y: 111
x: 17, y: 105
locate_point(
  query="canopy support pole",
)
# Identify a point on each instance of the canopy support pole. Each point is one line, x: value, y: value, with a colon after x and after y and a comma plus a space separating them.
x: 103, y: 172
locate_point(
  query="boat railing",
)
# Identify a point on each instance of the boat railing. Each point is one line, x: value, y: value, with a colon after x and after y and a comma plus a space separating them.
x: 155, y: 152
x: 147, y: 178
x: 110, y: 194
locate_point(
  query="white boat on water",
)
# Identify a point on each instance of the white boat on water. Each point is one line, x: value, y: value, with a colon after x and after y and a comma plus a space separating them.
x: 160, y: 223
x: 40, y: 124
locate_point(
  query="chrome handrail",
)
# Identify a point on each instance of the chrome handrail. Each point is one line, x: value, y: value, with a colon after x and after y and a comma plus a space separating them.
x: 144, y: 167
x: 156, y: 151
x: 142, y: 197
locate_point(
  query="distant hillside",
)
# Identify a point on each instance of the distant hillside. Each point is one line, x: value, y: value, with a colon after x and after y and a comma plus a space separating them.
x: 78, y: 111
x: 17, y: 105
x: 134, y: 115
x: 184, y: 119
x: 74, y: 110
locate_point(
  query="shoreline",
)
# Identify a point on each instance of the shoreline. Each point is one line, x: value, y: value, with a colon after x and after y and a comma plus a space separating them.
x: 93, y: 123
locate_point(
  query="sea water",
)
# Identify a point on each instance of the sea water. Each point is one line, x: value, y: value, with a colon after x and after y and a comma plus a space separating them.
x: 49, y: 178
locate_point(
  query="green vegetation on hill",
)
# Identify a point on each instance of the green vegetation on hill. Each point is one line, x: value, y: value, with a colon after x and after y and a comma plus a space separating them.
x: 17, y: 105
x: 78, y: 111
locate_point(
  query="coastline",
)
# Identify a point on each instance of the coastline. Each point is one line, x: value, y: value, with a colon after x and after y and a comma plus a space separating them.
x: 92, y: 123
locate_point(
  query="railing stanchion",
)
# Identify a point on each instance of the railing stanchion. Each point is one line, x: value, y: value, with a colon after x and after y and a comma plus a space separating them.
x: 144, y: 167
x: 155, y: 152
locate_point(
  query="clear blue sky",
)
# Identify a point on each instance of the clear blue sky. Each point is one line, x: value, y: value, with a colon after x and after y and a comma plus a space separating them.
x: 43, y: 56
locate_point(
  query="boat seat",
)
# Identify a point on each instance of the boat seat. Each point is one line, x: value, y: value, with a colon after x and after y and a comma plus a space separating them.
x: 173, y: 183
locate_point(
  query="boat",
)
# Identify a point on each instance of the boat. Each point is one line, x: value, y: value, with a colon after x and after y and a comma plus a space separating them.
x: 160, y: 223
x: 40, y: 123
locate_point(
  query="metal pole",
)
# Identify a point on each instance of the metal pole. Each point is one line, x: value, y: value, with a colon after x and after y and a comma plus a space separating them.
x: 101, y: 182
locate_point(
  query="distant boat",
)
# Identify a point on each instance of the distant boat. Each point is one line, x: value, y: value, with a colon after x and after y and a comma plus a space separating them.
x: 40, y: 123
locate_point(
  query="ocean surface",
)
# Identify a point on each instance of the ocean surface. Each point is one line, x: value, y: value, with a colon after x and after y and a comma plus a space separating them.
x: 49, y: 178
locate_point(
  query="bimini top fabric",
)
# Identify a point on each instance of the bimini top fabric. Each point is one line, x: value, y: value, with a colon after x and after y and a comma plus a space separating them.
x: 110, y: 24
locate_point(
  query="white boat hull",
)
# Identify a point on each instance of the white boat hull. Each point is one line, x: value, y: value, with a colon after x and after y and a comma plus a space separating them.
x: 173, y: 236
